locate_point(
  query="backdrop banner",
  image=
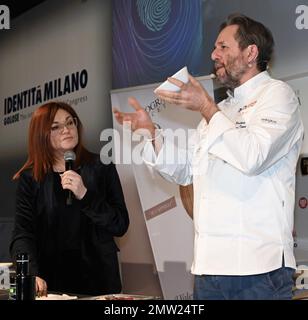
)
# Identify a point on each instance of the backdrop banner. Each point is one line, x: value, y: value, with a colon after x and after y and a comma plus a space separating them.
x: 167, y: 207
x: 299, y: 85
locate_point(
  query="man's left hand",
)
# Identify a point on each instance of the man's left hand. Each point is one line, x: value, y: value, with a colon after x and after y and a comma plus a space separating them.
x: 191, y: 96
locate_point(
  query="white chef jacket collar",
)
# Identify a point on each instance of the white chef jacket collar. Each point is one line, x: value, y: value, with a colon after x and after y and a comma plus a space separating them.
x: 247, y: 87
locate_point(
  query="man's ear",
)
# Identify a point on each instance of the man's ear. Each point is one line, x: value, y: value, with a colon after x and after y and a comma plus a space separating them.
x: 252, y: 53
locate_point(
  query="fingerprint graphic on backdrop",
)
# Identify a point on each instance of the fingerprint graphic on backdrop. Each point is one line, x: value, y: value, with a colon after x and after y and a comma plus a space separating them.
x: 152, y: 39
x: 154, y: 14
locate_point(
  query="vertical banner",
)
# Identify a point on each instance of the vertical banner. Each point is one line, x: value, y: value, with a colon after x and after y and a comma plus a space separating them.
x: 166, y: 206
x: 299, y: 85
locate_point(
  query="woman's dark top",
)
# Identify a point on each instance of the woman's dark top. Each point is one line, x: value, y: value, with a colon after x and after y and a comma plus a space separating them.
x: 72, y: 247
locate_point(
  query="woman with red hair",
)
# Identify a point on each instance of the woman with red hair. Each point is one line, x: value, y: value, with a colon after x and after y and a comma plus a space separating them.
x: 71, y: 247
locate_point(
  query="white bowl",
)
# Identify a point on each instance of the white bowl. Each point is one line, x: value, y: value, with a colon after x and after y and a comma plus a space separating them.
x: 180, y: 75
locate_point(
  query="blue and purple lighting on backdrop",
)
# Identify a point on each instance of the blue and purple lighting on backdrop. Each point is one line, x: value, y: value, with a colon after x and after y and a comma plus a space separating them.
x: 152, y: 39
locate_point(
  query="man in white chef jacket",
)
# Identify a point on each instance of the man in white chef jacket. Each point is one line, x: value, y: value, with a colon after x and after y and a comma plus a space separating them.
x: 242, y: 163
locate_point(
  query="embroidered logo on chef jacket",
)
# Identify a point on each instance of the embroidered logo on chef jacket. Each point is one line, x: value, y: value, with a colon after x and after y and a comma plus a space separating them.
x: 244, y: 108
x: 269, y: 121
x: 240, y: 124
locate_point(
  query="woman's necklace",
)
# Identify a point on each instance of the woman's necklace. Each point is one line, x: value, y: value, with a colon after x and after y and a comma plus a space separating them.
x: 58, y: 168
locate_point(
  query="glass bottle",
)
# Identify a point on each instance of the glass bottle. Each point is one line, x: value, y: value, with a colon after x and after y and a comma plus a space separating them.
x: 25, y: 283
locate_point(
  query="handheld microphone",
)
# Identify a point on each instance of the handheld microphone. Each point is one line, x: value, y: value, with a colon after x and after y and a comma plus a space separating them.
x: 69, y: 158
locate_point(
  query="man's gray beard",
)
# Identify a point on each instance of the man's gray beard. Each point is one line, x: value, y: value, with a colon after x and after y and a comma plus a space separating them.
x: 229, y: 82
x: 232, y: 81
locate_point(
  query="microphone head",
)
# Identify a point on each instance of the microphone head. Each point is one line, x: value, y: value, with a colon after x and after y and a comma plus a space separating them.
x: 69, y: 155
